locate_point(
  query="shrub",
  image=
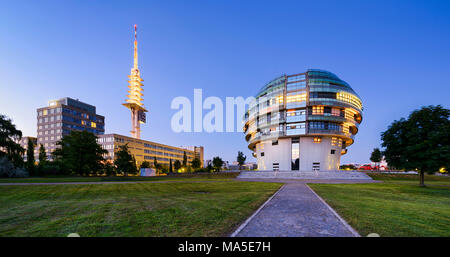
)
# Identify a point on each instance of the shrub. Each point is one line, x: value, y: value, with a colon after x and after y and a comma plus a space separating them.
x: 7, y: 169
x: 201, y: 170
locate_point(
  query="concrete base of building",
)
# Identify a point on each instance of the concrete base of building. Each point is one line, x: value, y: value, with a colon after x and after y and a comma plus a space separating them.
x: 304, y: 175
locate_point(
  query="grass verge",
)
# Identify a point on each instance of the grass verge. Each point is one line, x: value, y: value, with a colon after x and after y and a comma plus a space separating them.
x: 181, y: 176
x: 397, y: 207
x: 138, y: 209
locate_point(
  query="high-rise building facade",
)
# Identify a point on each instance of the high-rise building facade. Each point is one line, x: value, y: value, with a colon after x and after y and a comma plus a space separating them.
x: 144, y: 150
x: 62, y: 116
x: 303, y: 122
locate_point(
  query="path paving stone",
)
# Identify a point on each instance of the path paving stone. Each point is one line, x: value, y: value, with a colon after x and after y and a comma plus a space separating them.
x: 295, y: 212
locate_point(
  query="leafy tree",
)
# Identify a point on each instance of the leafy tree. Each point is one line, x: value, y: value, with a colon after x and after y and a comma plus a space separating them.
x: 376, y: 156
x: 170, y: 166
x: 177, y: 165
x: 30, y: 158
x: 241, y: 159
x: 209, y: 168
x: 145, y: 164
x: 195, y: 163
x: 155, y: 162
x: 42, y: 160
x: 125, y: 162
x: 421, y: 142
x: 184, y: 159
x: 9, y: 135
x: 217, y: 163
x: 80, y: 153
x: 109, y: 169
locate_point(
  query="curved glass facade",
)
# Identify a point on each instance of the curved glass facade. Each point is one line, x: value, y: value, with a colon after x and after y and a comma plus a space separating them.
x: 314, y: 104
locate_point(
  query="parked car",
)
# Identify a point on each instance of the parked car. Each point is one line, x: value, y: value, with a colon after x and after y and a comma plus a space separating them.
x: 366, y: 167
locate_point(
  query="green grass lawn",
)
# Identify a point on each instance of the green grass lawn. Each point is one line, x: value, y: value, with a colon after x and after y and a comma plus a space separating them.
x: 397, y: 207
x: 138, y: 209
x: 186, y: 176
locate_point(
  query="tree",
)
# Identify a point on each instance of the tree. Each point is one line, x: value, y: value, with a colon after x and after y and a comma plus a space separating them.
x: 170, y: 166
x: 195, y: 163
x: 9, y: 135
x: 145, y: 164
x: 155, y: 162
x: 241, y: 159
x: 217, y: 163
x: 421, y: 142
x: 376, y: 156
x: 184, y: 159
x: 177, y: 165
x: 80, y: 153
x: 125, y: 162
x: 42, y: 159
x: 30, y: 157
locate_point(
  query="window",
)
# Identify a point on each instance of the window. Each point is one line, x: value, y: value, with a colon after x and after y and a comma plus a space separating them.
x: 334, y: 141
x: 275, y: 142
x: 333, y: 151
x: 349, y: 98
x: 275, y: 166
x: 295, y: 154
x: 44, y: 112
x: 317, y: 110
x: 316, y: 166
x: 295, y: 97
x: 330, y: 95
x: 296, y: 78
x: 262, y: 154
x: 317, y: 140
x: 336, y: 112
x: 296, y: 86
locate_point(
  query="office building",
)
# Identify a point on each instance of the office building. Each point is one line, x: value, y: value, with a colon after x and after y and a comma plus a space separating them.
x: 144, y: 150
x: 61, y: 117
x: 303, y: 122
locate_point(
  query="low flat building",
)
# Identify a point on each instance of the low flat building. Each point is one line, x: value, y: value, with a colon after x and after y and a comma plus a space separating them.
x: 144, y: 150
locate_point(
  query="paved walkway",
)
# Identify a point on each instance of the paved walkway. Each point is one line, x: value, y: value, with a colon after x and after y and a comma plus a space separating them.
x: 296, y: 211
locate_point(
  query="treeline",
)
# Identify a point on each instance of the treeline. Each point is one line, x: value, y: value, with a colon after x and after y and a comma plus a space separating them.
x: 79, y: 154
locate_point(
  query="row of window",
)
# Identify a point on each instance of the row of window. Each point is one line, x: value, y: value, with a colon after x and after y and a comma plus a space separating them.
x: 49, y: 111
x: 163, y: 153
x: 146, y: 157
x: 324, y: 125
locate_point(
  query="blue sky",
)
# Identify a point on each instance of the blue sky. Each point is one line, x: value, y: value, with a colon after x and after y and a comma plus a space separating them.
x: 395, y: 55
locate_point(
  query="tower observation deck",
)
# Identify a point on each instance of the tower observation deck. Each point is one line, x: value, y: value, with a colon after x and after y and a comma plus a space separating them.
x: 135, y: 95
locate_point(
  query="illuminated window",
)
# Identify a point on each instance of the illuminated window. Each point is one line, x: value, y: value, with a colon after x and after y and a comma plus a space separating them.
x: 317, y: 140
x: 349, y: 98
x: 335, y: 112
x: 83, y: 122
x: 334, y: 141
x: 44, y: 112
x: 296, y: 98
x: 345, y: 128
x: 317, y: 110
x: 93, y: 124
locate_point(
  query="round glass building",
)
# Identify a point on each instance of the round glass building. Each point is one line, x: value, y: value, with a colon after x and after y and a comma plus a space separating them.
x: 302, y: 122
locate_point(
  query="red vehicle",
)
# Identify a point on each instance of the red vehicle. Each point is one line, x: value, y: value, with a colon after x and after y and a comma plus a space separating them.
x: 366, y: 167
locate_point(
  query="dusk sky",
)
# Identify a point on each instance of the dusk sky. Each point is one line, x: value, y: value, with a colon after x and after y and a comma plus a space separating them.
x: 394, y: 54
